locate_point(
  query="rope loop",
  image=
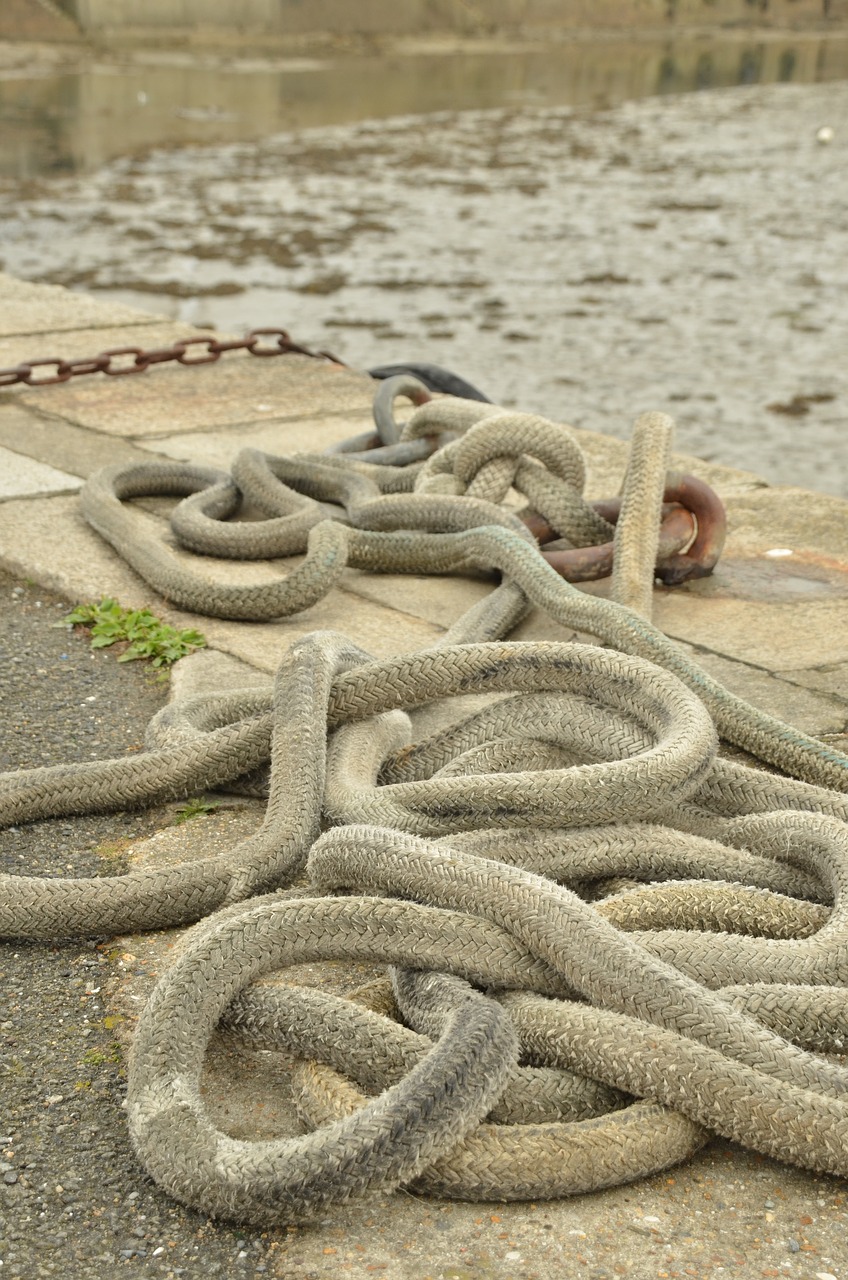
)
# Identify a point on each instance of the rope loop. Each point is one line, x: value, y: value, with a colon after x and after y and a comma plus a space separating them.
x: 605, y: 939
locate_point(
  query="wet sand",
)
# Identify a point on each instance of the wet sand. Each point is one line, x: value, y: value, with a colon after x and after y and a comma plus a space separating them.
x: 681, y: 253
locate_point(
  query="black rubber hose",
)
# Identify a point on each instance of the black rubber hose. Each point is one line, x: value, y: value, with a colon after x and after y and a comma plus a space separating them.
x: 433, y: 377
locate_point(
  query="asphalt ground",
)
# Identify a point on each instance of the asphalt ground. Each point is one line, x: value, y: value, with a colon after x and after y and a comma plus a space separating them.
x: 73, y: 1200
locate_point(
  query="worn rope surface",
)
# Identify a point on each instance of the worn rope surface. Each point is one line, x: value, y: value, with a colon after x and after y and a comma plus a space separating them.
x: 660, y: 933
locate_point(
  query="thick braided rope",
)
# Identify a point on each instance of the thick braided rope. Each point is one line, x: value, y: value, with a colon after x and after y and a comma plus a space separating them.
x: 365, y: 1038
x: 305, y: 702
x: 48, y: 908
x: 333, y: 545
x: 592, y: 957
x: 269, y: 1181
x: 638, y: 530
x: 727, y: 1056
x: 499, y: 1159
x: 590, y: 768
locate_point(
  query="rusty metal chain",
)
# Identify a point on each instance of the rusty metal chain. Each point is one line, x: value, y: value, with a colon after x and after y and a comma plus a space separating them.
x: 109, y: 362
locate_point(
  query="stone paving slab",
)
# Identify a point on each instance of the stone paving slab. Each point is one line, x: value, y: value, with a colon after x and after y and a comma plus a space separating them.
x: 775, y: 614
x: 88, y: 339
x: 45, y: 438
x: 765, y: 634
x: 20, y: 475
x: 812, y: 526
x: 811, y: 708
x: 278, y: 435
x: 50, y: 543
x: 771, y: 627
x: 236, y: 390
x: 212, y: 671
x: 68, y: 556
x: 27, y: 308
x: 831, y: 677
x: 379, y: 631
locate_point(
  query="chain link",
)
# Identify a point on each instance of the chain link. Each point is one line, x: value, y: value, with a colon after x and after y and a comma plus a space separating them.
x: 114, y: 366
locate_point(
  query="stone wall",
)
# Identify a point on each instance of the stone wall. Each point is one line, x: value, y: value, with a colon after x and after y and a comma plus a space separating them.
x: 38, y: 20
x: 297, y: 19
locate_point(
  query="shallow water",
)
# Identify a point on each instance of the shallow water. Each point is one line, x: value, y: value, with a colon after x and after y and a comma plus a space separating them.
x: 684, y: 253
x: 74, y: 117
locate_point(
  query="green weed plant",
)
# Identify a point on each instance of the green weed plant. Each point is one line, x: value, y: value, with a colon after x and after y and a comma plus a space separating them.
x: 197, y: 808
x: 146, y: 636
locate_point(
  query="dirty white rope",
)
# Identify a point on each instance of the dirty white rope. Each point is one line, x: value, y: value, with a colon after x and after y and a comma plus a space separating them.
x: 479, y: 857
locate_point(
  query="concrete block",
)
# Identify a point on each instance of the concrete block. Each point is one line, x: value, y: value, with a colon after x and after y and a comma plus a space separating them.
x: 814, y: 527
x: 439, y: 601
x: 27, y: 308
x: 806, y: 708
x: 539, y: 625
x: 773, y: 635
x: 174, y: 399
x: 48, y: 540
x: 832, y: 678
x: 219, y: 448
x: 23, y: 477
x: 55, y: 442
x: 208, y: 671
x: 86, y: 340
x: 778, y: 598
x: 380, y: 631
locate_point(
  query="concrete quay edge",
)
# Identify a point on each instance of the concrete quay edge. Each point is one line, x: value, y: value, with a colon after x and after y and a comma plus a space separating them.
x: 773, y: 627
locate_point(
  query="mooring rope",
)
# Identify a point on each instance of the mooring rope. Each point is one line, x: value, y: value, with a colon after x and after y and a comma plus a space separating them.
x: 605, y: 940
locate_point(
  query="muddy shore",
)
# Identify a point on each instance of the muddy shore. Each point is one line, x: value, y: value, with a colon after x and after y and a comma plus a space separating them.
x: 685, y: 253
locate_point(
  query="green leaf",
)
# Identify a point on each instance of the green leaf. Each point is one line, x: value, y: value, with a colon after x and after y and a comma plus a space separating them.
x: 148, y: 638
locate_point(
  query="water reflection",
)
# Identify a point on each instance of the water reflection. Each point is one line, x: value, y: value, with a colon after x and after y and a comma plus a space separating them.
x: 76, y: 120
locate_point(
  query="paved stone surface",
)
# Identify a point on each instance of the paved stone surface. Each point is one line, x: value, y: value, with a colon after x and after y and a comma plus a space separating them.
x: 808, y: 525
x: 770, y: 634
x: 87, y: 338
x: 831, y: 677
x: 772, y: 627
x: 235, y: 391
x: 45, y: 309
x: 814, y: 708
x: 379, y: 631
x: 278, y: 435
x: 53, y: 545
x: 68, y: 556
x: 50, y: 439
x: 439, y: 601
x: 20, y: 475
x: 212, y: 671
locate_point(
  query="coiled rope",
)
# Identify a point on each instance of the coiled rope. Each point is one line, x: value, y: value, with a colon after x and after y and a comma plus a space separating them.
x: 660, y: 933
